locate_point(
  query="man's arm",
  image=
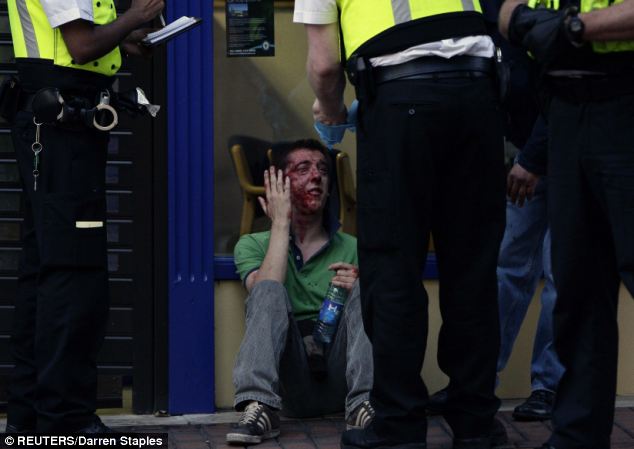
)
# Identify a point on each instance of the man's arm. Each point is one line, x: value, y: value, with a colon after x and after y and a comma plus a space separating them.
x: 87, y: 42
x: 325, y: 73
x: 505, y: 15
x: 610, y: 24
x: 277, y: 207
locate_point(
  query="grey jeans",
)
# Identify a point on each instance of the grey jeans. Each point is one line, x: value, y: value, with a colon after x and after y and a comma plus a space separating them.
x: 272, y: 365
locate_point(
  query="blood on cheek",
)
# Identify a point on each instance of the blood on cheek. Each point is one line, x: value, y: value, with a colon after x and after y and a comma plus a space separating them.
x: 302, y: 199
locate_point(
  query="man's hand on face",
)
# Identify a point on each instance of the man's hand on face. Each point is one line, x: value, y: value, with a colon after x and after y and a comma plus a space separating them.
x: 521, y: 185
x: 345, y: 274
x: 277, y: 189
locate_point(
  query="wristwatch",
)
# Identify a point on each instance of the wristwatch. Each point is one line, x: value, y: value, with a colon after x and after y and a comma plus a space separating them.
x: 574, y: 27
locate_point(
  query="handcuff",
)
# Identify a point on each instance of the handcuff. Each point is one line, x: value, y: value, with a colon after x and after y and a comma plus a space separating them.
x: 104, y: 105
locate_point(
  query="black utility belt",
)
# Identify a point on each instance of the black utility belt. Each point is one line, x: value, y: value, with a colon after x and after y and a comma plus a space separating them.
x: 433, y: 67
x: 50, y: 105
x: 591, y: 87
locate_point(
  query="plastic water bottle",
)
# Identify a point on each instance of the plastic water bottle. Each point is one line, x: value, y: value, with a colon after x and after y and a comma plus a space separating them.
x: 330, y: 313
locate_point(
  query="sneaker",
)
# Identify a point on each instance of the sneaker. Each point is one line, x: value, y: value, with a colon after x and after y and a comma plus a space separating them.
x: 361, y: 417
x: 258, y: 422
x: 538, y: 407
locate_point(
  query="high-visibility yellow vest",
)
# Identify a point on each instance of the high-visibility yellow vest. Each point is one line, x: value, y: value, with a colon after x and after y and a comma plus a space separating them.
x: 361, y: 20
x: 587, y: 6
x: 33, y: 36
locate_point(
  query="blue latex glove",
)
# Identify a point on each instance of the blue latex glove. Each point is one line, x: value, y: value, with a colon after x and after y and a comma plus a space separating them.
x: 331, y: 135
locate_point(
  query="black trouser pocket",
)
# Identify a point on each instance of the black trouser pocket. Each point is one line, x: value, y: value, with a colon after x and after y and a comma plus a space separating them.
x: 73, y: 230
x: 377, y: 211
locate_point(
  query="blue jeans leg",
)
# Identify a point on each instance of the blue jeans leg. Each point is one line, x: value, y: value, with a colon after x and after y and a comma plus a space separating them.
x: 519, y: 267
x: 546, y: 370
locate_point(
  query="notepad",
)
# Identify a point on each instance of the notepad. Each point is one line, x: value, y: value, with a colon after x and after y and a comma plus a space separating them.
x: 170, y: 31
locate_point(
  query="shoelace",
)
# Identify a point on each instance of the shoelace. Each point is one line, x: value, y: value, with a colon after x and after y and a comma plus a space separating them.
x: 250, y: 414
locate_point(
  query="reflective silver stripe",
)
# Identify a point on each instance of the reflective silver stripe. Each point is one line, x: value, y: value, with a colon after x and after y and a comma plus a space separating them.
x: 467, y: 5
x: 32, y: 50
x: 402, y: 11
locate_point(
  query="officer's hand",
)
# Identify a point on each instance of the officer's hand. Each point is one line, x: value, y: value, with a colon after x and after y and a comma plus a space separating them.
x: 547, y: 40
x: 132, y: 46
x: 146, y: 10
x: 335, y: 115
x: 521, y: 185
x: 523, y: 19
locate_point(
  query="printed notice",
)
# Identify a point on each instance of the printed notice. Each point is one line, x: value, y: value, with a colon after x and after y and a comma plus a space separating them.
x: 250, y: 28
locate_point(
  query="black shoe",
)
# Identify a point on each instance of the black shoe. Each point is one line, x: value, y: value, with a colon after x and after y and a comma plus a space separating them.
x: 546, y: 446
x: 538, y: 407
x: 368, y: 439
x: 12, y: 428
x: 437, y: 402
x: 498, y: 437
x: 95, y: 427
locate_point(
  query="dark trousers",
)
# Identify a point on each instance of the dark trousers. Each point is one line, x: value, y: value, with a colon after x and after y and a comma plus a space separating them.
x: 62, y: 304
x: 591, y: 210
x: 430, y: 159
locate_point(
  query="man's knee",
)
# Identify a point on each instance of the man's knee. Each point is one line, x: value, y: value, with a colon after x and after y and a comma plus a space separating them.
x: 270, y: 296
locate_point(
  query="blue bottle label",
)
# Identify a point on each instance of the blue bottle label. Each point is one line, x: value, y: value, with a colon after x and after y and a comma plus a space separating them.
x: 330, y: 311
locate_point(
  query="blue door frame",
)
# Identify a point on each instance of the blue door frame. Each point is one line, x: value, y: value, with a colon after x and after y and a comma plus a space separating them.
x: 190, y: 215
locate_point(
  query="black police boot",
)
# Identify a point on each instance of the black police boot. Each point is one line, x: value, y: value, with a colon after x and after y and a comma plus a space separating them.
x: 95, y: 427
x: 368, y: 439
x: 437, y: 402
x: 538, y: 407
x: 13, y: 428
x: 496, y: 438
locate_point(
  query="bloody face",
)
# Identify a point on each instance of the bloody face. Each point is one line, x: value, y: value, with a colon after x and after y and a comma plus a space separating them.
x: 308, y: 172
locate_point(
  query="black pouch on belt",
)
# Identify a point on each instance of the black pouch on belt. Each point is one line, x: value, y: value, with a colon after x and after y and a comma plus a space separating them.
x: 47, y: 105
x: 9, y: 98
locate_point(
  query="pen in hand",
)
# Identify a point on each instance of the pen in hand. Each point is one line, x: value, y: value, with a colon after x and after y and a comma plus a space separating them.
x: 162, y: 19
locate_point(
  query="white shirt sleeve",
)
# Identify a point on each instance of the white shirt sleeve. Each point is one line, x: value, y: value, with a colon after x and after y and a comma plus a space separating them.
x: 316, y: 12
x: 60, y: 12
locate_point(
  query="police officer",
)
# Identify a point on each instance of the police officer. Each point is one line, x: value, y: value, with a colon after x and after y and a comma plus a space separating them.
x: 430, y: 159
x: 586, y: 52
x: 66, y: 51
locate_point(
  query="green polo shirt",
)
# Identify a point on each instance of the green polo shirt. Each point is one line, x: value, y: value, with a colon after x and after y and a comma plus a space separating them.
x: 306, y: 281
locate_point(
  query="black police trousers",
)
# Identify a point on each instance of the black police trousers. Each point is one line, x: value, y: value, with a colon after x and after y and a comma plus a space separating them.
x: 62, y: 304
x: 591, y: 213
x: 431, y: 159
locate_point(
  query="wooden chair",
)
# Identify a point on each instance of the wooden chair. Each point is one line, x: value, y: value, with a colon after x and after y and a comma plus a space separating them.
x: 252, y: 156
x: 347, y: 193
x: 249, y: 156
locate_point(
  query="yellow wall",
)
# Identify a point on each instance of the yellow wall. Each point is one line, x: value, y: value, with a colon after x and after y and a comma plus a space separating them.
x: 514, y: 381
